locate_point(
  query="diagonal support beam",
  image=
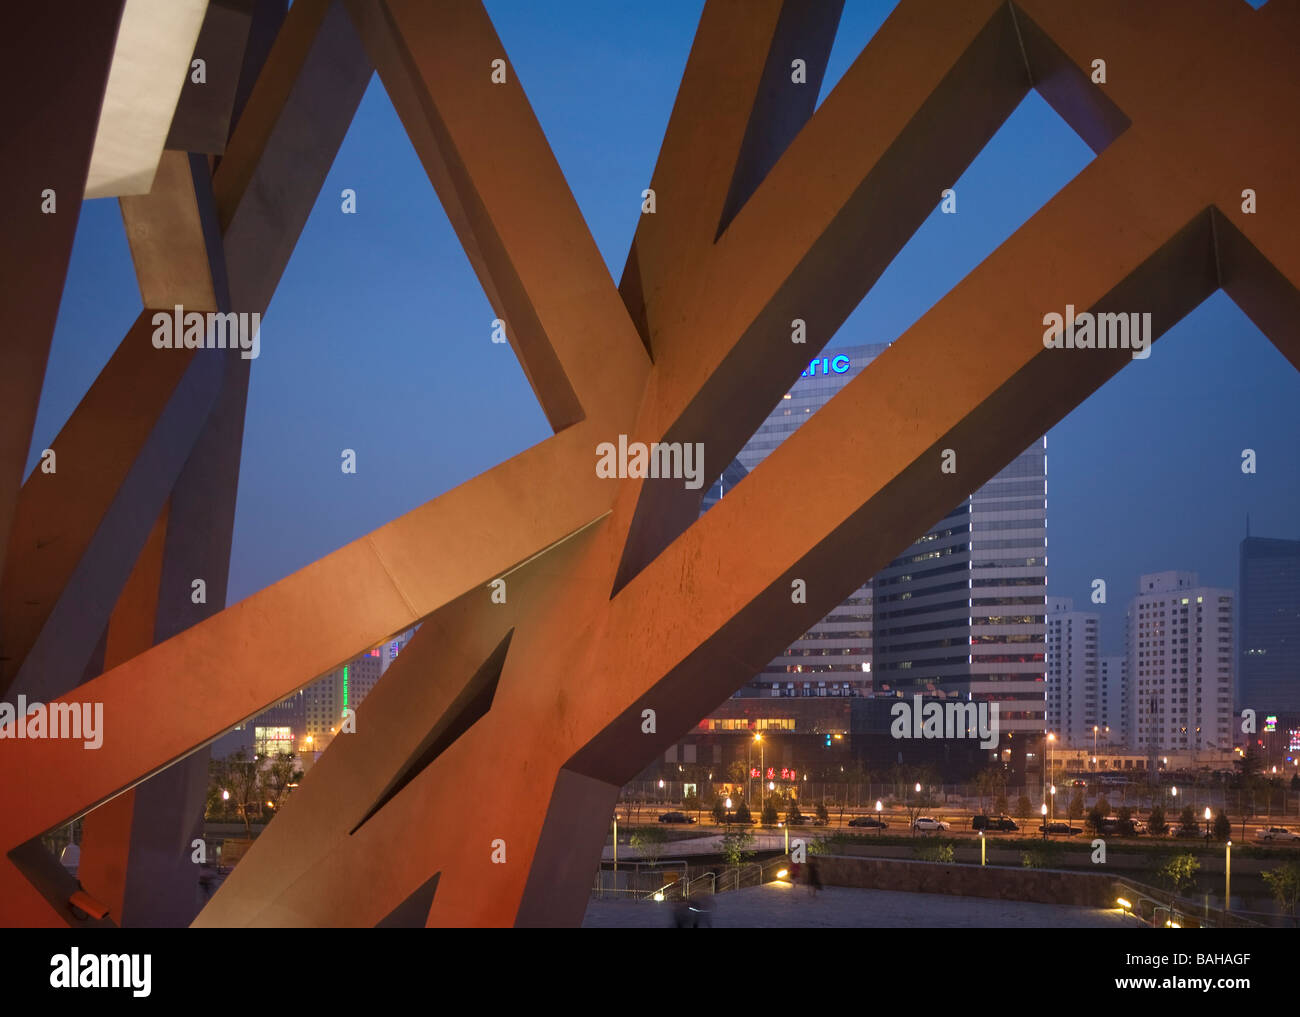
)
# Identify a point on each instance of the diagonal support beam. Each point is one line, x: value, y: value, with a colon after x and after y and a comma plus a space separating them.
x: 37, y: 245
x: 739, y: 70
x: 563, y: 315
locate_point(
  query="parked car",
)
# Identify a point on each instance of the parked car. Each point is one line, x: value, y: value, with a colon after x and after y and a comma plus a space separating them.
x: 676, y: 817
x: 997, y: 823
x: 928, y: 823
x: 1064, y: 828
x: 1113, y: 826
x: 871, y: 822
x: 1078, y: 783
x: 1275, y: 833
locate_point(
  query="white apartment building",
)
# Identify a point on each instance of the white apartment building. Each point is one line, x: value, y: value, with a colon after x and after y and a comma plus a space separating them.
x: 1180, y: 665
x: 1073, y: 700
x: 1114, y: 727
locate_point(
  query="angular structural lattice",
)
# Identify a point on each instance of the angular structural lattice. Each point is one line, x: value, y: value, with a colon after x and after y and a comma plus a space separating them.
x: 620, y: 599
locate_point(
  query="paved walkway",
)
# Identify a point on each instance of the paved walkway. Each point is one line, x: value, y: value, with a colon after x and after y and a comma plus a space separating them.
x: 781, y: 906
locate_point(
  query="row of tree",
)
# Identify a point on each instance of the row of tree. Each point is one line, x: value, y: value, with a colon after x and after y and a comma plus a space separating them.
x: 247, y: 789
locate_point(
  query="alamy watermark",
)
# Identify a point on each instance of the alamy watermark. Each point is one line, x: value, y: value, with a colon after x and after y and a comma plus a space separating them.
x: 660, y: 459
x: 76, y: 721
x: 211, y: 330
x: 919, y: 719
x: 1103, y: 331
x: 75, y: 970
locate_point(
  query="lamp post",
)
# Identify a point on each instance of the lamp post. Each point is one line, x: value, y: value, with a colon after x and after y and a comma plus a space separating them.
x: 1044, y: 821
x: 1053, y: 801
x: 1227, y: 879
x: 1207, y: 824
x: 879, y: 807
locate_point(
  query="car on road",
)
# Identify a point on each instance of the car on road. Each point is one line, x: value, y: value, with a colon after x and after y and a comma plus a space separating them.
x: 929, y: 823
x: 1064, y: 828
x: 1113, y: 826
x: 676, y: 817
x: 870, y: 822
x: 1078, y: 783
x: 1275, y: 833
x: 1003, y: 824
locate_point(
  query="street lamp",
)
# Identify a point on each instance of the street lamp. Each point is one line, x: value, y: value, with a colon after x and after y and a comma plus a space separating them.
x: 1053, y: 801
x: 728, y: 805
x: 1227, y: 879
x: 1207, y: 824
x: 879, y: 807
x: 1044, y: 821
x: 762, y: 759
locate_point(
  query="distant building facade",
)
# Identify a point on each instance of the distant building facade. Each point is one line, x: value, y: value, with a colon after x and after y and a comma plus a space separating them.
x: 1180, y: 637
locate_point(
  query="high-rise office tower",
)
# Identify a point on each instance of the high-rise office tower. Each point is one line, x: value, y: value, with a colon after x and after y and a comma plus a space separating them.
x: 1269, y: 639
x: 1073, y: 687
x: 1180, y: 665
x: 1114, y: 726
x: 833, y: 658
x: 346, y: 687
x: 965, y: 604
x: 962, y: 612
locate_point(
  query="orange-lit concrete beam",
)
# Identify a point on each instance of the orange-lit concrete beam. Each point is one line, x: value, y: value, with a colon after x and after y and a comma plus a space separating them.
x: 40, y: 225
x: 563, y: 315
x: 741, y: 70
x: 106, y: 832
x: 283, y: 145
x: 824, y: 223
x: 434, y: 690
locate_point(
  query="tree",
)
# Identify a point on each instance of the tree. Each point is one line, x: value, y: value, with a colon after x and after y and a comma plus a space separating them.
x: 987, y: 783
x: 1096, y: 820
x: 241, y: 779
x: 691, y: 803
x: 735, y: 846
x: 1156, y: 821
x: 1023, y: 808
x: 277, y: 777
x: 1187, y: 820
x: 1076, y: 804
x: 1000, y: 804
x: 1222, y: 827
x: 1295, y: 782
x: 1284, y: 881
x: 823, y: 814
x: 742, y: 814
x: 792, y: 813
x: 649, y: 842
x: 770, y: 817
x: 1178, y: 873
x: 719, y: 811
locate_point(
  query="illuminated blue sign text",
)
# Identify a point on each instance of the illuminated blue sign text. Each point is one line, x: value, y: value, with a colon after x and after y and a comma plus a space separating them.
x: 829, y: 365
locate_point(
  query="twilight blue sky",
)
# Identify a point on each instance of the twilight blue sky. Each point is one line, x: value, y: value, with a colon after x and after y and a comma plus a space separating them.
x: 377, y: 338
